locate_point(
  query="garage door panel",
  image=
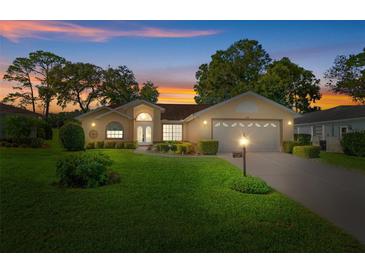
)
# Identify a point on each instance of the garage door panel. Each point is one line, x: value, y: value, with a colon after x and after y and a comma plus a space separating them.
x: 263, y: 135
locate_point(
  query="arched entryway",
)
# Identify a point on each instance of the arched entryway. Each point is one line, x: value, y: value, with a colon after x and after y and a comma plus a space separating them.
x: 144, y: 126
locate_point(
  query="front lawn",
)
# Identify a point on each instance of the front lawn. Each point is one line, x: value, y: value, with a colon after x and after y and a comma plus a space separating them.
x: 343, y: 160
x: 161, y: 205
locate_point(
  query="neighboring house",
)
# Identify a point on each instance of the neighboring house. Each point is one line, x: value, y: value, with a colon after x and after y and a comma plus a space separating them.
x: 331, y: 124
x: 8, y: 110
x: 265, y: 122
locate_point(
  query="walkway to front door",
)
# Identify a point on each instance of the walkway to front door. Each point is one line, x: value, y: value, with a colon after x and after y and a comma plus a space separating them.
x: 335, y: 193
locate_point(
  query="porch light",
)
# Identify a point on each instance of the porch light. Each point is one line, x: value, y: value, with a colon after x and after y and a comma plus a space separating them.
x: 289, y: 123
x: 244, y: 142
x: 93, y: 124
x: 205, y: 122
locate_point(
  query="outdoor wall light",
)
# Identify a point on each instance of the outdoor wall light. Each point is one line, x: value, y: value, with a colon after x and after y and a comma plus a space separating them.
x: 93, y: 124
x: 289, y: 123
x: 244, y: 142
x: 205, y: 122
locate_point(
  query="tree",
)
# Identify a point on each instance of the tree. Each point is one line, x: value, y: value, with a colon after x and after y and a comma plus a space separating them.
x: 347, y: 76
x: 231, y: 72
x: 149, y: 92
x: 77, y: 83
x: 43, y: 62
x: 290, y: 85
x: 119, y: 86
x: 20, y: 71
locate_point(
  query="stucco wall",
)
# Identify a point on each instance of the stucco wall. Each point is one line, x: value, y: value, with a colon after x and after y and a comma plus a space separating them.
x: 246, y: 107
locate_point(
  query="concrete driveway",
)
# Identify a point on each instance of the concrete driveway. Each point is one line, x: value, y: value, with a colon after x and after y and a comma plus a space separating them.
x: 332, y: 192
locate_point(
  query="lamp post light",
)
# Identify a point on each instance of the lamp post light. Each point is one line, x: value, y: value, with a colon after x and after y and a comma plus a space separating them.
x: 244, y: 141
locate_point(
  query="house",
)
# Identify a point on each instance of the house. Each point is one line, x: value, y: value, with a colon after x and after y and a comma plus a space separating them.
x: 331, y: 124
x: 265, y: 122
x: 8, y: 110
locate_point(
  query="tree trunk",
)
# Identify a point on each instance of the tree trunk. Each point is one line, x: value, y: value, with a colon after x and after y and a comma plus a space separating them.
x: 32, y: 93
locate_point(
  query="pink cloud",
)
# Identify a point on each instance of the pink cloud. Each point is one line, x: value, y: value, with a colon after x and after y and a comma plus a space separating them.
x: 16, y: 30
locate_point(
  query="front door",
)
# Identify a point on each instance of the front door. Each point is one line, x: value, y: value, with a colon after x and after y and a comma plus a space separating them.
x: 144, y: 134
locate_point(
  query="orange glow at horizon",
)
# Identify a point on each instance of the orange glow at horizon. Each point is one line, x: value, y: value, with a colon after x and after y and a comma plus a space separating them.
x: 331, y: 100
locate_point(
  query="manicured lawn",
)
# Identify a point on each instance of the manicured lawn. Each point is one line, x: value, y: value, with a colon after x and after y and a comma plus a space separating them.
x: 161, y: 205
x: 343, y: 160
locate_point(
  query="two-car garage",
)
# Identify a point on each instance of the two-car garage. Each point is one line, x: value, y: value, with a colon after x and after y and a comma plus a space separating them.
x: 264, y: 135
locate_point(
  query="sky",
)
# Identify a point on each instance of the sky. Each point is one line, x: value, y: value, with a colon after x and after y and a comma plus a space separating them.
x: 170, y: 52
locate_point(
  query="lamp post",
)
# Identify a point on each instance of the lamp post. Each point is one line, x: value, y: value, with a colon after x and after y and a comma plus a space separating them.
x: 244, y: 141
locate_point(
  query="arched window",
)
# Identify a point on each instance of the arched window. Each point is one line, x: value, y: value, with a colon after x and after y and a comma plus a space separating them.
x: 145, y: 117
x: 114, y: 130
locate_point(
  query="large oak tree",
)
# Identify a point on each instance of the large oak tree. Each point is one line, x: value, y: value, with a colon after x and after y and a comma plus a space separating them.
x: 347, y: 76
x: 290, y: 85
x: 231, y: 72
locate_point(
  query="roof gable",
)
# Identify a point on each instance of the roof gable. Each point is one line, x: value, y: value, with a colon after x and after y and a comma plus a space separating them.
x: 249, y: 93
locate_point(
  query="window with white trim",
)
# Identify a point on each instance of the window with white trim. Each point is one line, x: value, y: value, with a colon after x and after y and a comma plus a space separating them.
x: 172, y: 132
x: 114, y: 130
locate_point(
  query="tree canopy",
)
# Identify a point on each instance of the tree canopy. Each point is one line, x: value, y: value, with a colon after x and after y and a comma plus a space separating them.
x: 231, y: 72
x: 78, y: 83
x: 149, y: 92
x: 347, y: 76
x: 290, y: 85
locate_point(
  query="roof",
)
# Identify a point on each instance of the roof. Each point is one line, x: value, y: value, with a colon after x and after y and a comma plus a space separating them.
x: 176, y: 112
x: 5, y: 109
x: 332, y: 114
x: 248, y: 93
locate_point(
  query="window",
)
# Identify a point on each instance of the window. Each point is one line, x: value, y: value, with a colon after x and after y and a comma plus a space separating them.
x: 172, y: 132
x: 145, y: 117
x: 114, y: 130
x: 343, y: 131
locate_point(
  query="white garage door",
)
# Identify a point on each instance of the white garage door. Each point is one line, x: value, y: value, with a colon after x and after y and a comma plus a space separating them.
x: 263, y: 135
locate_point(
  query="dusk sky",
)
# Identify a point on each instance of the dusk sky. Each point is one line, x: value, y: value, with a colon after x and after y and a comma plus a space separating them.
x: 170, y: 52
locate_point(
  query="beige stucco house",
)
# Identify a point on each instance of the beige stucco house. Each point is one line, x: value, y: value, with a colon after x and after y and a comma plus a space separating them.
x: 265, y: 122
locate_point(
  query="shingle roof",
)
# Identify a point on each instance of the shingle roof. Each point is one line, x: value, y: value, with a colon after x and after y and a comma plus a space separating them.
x: 337, y: 113
x: 4, y: 109
x: 179, y: 111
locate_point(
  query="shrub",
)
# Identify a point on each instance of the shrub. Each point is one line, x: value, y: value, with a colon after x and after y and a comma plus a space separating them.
x: 163, y: 147
x: 130, y: 145
x: 20, y: 127
x: 36, y: 142
x: 110, y: 144
x: 208, y: 147
x: 100, y: 144
x: 250, y: 185
x: 119, y: 145
x: 289, y: 145
x: 303, y: 139
x: 72, y: 137
x: 307, y: 151
x: 90, y: 145
x: 48, y: 132
x: 84, y: 170
x: 184, y: 148
x: 353, y: 143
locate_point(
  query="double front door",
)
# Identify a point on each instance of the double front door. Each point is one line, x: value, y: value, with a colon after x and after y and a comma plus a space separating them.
x: 144, y: 134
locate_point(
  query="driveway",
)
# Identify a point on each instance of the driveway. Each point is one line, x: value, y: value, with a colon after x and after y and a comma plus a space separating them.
x: 334, y: 193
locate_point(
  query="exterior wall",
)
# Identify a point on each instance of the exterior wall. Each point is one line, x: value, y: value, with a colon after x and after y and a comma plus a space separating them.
x: 129, y: 125
x: 101, y: 123
x: 246, y: 107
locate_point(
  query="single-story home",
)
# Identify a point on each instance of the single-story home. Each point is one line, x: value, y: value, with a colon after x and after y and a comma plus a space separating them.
x: 265, y: 122
x: 8, y: 110
x: 331, y: 124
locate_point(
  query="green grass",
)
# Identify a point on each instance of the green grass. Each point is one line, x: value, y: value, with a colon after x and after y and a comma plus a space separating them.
x: 343, y: 160
x: 161, y: 205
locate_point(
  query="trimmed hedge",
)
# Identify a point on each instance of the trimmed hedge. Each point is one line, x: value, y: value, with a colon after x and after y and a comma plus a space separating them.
x: 208, y: 147
x: 307, y: 151
x: 100, y: 144
x: 303, y: 139
x: 353, y: 143
x: 184, y: 148
x: 119, y: 145
x: 162, y: 147
x: 85, y: 170
x: 110, y: 144
x: 289, y: 145
x: 72, y: 137
x: 130, y: 145
x: 90, y: 145
x: 250, y: 185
